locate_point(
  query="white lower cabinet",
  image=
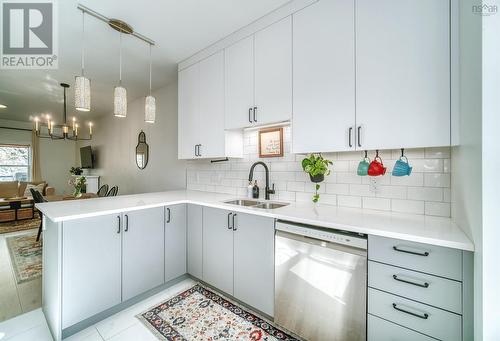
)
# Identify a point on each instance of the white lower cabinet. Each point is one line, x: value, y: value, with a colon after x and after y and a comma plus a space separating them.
x: 91, y: 270
x: 238, y: 256
x: 175, y: 241
x: 254, y: 261
x: 218, y: 249
x: 109, y: 259
x: 143, y: 262
x: 195, y: 241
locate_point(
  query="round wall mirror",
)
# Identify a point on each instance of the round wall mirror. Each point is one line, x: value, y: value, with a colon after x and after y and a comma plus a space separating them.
x: 141, y: 151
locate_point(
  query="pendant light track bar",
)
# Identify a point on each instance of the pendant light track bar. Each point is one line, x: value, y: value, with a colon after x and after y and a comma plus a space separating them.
x: 108, y: 21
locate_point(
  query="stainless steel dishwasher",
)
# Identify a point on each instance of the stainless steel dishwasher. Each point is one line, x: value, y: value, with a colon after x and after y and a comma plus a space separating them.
x: 320, y: 282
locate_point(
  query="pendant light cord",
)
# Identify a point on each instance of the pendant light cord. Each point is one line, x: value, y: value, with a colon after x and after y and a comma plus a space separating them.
x: 83, y: 42
x: 120, y: 57
x: 150, y: 65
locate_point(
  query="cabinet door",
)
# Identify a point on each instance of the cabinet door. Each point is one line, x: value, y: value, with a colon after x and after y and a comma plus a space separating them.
x: 323, y: 77
x: 211, y: 133
x: 403, y: 73
x: 142, y: 251
x: 218, y: 249
x: 254, y: 261
x: 175, y: 241
x: 91, y: 250
x: 195, y: 240
x: 273, y: 72
x: 188, y: 109
x: 239, y: 83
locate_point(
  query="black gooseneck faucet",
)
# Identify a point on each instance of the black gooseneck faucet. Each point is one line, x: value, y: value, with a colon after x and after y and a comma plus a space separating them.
x: 250, y: 178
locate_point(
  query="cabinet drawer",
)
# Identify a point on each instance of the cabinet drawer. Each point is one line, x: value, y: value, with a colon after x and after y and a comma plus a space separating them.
x: 432, y: 290
x: 379, y: 329
x: 417, y: 316
x: 436, y: 260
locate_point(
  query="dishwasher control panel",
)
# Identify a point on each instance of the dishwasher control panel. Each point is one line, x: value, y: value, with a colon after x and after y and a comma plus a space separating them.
x: 313, y: 232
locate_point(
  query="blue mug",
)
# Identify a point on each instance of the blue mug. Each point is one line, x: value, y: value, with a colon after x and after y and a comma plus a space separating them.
x: 363, y: 167
x: 402, y: 167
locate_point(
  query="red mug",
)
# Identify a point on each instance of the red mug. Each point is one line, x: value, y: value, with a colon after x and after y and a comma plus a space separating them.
x: 376, y: 167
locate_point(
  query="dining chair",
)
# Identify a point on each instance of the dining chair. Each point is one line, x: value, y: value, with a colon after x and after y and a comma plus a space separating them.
x: 113, y: 191
x: 103, y: 190
x: 38, y: 198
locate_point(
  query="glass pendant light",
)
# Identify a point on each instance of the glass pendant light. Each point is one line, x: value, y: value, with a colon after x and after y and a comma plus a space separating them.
x: 120, y: 102
x: 150, y: 104
x: 82, y: 84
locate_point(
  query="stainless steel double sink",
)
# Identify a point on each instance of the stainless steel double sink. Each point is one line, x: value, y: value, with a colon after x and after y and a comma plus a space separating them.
x: 267, y: 205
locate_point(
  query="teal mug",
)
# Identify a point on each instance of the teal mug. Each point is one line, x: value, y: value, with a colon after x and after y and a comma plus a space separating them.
x: 402, y: 167
x: 363, y: 167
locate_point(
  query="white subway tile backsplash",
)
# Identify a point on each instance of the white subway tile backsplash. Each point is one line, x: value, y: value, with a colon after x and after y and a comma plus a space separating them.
x: 425, y: 191
x: 377, y: 204
x: 437, y: 180
x: 441, y: 209
x: 337, y: 188
x: 408, y: 206
x: 348, y: 201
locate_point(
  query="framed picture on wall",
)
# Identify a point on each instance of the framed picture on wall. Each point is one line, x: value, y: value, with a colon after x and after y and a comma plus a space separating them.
x: 271, y: 142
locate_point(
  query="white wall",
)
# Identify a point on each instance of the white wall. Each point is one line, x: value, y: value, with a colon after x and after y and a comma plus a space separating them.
x: 56, y: 157
x: 491, y: 180
x: 115, y: 140
x: 466, y: 158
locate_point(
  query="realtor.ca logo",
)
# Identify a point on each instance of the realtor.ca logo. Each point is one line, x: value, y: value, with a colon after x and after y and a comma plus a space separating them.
x: 29, y: 34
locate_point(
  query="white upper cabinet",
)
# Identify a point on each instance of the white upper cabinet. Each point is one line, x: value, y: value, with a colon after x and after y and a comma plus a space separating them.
x: 211, y: 112
x: 258, y: 77
x: 273, y: 73
x: 201, y: 112
x: 403, y: 73
x: 239, y: 84
x: 323, y: 77
x: 188, y: 111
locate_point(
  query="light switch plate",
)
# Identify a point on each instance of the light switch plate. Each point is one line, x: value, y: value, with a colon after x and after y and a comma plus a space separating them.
x: 374, y: 184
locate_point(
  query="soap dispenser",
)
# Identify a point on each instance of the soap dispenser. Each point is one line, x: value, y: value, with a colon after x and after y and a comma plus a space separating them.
x: 255, y: 190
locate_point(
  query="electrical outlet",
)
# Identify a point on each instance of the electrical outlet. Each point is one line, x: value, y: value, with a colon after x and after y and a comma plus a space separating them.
x: 374, y: 184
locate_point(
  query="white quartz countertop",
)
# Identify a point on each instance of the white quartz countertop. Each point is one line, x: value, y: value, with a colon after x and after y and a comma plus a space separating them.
x: 418, y: 228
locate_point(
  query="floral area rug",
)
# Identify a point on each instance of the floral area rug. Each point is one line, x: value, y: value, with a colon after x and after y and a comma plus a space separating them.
x: 200, y: 314
x: 26, y: 255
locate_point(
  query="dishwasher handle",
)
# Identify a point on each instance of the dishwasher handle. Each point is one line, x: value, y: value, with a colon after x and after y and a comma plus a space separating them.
x: 321, y: 243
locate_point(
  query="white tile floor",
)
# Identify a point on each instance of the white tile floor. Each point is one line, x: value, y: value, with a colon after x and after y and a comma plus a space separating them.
x: 16, y: 298
x: 123, y: 326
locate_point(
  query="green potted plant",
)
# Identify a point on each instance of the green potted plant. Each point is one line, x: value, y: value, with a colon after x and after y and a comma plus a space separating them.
x: 316, y: 167
x: 76, y: 171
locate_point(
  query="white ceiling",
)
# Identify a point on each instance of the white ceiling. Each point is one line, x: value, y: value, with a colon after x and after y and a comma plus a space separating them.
x: 180, y: 28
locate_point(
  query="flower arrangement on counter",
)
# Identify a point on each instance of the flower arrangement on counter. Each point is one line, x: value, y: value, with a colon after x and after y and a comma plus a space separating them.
x: 78, y: 184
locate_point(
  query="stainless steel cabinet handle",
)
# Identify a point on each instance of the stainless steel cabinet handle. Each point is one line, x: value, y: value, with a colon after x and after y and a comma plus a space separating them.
x: 424, y: 285
x: 199, y: 150
x: 255, y: 114
x: 250, y: 115
x: 195, y: 150
x: 423, y: 254
x: 229, y: 227
x: 350, y: 137
x: 168, y: 215
x: 234, y: 225
x: 424, y: 316
x: 359, y: 136
x: 126, y: 222
x: 119, y: 224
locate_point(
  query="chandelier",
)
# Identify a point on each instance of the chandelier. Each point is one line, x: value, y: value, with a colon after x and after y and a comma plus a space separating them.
x: 60, y: 131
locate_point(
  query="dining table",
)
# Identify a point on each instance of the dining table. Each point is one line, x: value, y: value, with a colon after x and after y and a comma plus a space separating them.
x: 62, y: 197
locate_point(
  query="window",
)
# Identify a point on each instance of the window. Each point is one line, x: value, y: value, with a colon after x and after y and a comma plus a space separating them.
x: 15, y: 162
